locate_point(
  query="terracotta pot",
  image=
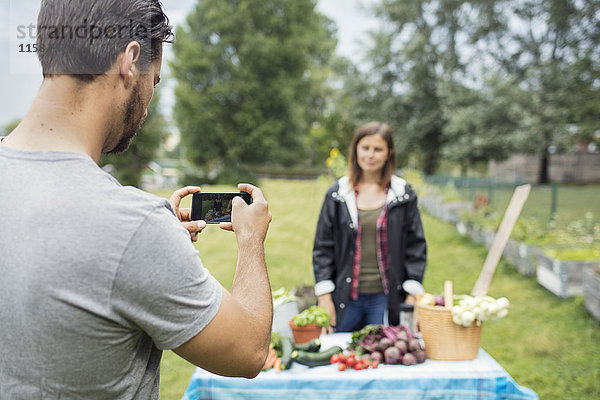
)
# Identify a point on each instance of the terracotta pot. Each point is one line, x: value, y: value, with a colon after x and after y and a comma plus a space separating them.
x: 304, y: 334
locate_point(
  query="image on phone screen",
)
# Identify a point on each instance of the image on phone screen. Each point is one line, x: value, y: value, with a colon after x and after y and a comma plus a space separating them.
x: 215, y: 207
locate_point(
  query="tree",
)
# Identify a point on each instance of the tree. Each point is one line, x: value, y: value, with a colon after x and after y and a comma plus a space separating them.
x: 543, y: 46
x: 482, y: 125
x: 413, y: 59
x: 249, y: 78
x: 130, y: 164
x: 350, y: 103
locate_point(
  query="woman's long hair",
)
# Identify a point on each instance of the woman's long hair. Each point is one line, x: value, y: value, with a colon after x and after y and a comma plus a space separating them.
x: 368, y: 129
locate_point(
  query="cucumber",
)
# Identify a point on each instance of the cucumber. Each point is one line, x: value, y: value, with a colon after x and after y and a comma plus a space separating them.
x: 286, y: 352
x: 315, y: 359
x: 312, y: 346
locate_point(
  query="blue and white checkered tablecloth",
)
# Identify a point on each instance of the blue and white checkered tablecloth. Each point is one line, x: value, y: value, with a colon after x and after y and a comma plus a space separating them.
x: 479, y: 379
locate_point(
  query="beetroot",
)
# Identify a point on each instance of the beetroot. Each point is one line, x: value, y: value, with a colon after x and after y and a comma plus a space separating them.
x: 402, y: 346
x: 377, y: 356
x: 409, y: 359
x: 421, y: 356
x: 414, y: 345
x: 402, y: 335
x: 392, y: 355
x: 383, y: 344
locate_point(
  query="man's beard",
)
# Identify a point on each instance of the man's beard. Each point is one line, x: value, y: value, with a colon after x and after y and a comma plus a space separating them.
x: 132, y: 120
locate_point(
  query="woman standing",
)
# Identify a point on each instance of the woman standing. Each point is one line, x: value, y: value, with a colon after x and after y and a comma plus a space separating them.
x: 369, y: 237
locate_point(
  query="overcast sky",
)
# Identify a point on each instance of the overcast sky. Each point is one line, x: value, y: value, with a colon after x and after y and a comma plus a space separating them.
x: 20, y: 73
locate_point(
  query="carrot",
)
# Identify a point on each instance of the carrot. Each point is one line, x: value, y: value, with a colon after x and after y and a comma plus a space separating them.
x: 270, y: 359
x: 277, y: 365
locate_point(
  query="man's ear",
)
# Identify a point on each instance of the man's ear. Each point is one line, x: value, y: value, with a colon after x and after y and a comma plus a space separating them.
x: 127, y: 64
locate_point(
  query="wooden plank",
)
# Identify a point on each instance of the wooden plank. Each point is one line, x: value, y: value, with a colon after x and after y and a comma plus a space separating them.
x: 448, y: 295
x: 506, y: 226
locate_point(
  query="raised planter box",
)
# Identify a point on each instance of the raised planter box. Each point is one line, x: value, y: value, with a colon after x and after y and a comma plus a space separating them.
x: 477, y: 234
x: 451, y: 211
x: 591, y: 291
x: 563, y: 278
x: 511, y: 251
x: 431, y: 204
x: 522, y: 256
x: 488, y: 238
x: 446, y: 211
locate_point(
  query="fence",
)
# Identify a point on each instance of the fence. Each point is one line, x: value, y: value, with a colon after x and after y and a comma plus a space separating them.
x: 579, y: 167
x: 555, y: 203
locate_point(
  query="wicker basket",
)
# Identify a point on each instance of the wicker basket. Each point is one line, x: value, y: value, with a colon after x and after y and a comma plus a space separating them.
x: 445, y: 340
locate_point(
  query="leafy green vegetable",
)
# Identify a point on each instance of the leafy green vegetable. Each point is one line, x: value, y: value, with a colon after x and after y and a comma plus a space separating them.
x: 282, y: 296
x: 313, y: 314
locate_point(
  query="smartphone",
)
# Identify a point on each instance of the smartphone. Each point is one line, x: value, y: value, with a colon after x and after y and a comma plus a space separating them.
x: 215, y: 207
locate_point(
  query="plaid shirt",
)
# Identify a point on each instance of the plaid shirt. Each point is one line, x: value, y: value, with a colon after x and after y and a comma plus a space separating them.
x: 382, y: 251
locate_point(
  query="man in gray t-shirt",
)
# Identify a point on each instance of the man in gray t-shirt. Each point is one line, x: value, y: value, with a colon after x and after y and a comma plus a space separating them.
x: 96, y: 278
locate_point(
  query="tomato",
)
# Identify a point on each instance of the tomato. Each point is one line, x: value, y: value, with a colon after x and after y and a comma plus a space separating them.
x: 342, y: 357
x: 334, y: 359
x: 358, y: 366
x: 350, y: 360
x: 374, y: 364
x: 341, y: 367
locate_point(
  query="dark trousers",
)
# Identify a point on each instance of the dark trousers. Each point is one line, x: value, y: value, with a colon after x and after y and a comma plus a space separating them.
x: 367, y: 309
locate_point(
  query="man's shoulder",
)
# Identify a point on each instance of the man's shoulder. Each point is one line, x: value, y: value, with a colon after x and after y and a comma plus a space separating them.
x: 131, y: 201
x: 139, y: 196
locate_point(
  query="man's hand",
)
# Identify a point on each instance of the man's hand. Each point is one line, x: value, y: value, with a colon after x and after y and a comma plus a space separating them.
x: 236, y: 341
x: 184, y: 214
x: 249, y: 221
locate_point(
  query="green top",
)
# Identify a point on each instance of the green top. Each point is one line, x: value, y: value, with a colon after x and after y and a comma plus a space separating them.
x: 369, y: 281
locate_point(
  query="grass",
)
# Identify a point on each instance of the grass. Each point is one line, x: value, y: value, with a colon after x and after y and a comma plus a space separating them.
x: 549, y: 345
x: 572, y: 201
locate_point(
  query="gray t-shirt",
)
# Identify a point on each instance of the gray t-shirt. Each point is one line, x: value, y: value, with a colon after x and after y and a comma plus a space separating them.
x: 96, y: 279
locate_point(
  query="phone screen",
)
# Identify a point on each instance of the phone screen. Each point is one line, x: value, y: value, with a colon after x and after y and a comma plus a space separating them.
x: 214, y: 207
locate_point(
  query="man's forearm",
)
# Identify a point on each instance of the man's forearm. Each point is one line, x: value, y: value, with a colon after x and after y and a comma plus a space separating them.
x: 251, y: 286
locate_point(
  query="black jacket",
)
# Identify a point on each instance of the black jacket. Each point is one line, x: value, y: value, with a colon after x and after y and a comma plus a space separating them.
x: 333, y: 251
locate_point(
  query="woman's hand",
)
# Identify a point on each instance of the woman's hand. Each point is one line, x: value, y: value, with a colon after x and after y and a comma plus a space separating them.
x: 326, y: 302
x: 184, y: 214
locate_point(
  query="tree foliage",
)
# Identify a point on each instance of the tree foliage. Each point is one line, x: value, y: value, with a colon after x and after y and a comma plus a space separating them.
x: 250, y: 76
x: 471, y: 81
x: 412, y: 59
x: 547, y: 48
x: 482, y: 124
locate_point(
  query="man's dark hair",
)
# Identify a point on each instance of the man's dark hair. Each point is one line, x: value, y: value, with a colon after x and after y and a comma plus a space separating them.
x: 84, y: 37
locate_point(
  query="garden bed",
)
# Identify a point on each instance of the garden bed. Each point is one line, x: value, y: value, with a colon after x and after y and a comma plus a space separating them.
x: 523, y: 256
x: 551, y: 266
x: 563, y: 278
x: 591, y: 290
x: 446, y: 211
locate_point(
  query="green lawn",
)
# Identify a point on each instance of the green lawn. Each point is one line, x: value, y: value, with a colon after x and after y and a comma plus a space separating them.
x: 572, y: 201
x: 549, y: 345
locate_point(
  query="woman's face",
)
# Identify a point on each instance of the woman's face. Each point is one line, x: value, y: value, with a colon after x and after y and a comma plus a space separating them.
x: 371, y: 153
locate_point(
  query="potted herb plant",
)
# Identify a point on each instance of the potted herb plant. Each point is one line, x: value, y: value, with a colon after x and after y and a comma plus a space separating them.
x: 308, y: 324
